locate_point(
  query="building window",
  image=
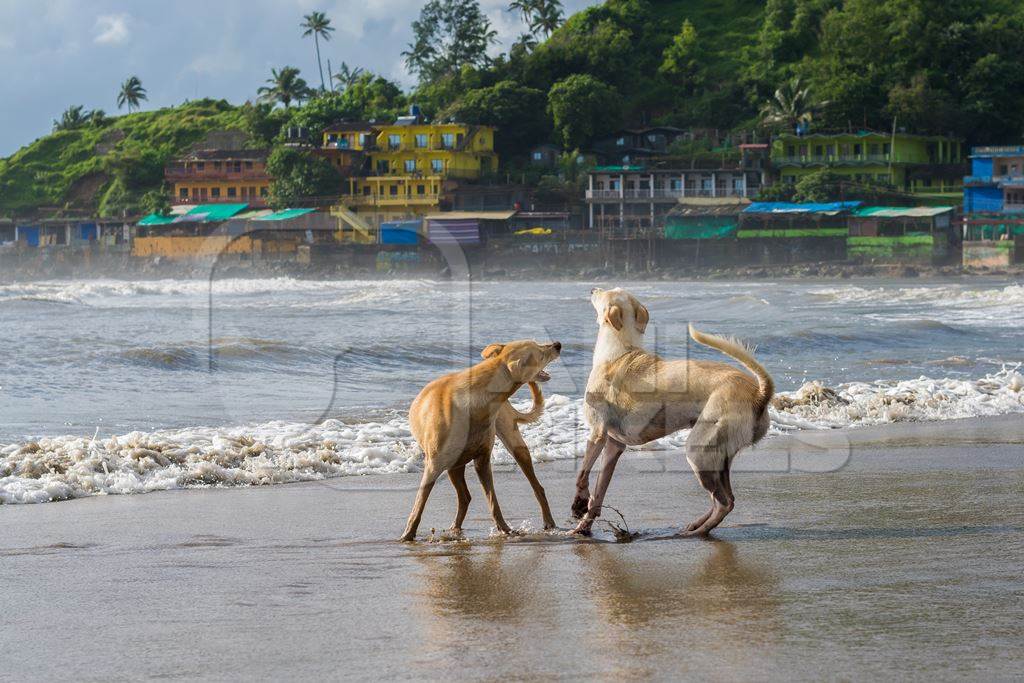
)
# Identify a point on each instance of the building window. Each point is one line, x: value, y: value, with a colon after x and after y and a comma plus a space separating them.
x: 394, y: 141
x: 232, y: 192
x: 332, y: 137
x: 248, y: 165
x: 382, y: 166
x: 366, y: 190
x: 1002, y: 169
x: 437, y: 165
x: 216, y: 165
x: 790, y: 151
x: 215, y: 192
x: 873, y: 149
x: 183, y: 193
x: 393, y: 190
x: 421, y: 189
x: 201, y: 166
x: 447, y: 140
x: 410, y: 165
x: 362, y: 139
x: 857, y: 149
x: 421, y: 140
x: 538, y: 156
x: 818, y: 151
x: 343, y: 142
x: 886, y: 149
x: 264, y: 191
x: 620, y: 142
x: 675, y: 184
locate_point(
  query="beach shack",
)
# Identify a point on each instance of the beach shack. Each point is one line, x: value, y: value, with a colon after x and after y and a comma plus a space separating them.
x: 922, y: 234
x: 786, y: 232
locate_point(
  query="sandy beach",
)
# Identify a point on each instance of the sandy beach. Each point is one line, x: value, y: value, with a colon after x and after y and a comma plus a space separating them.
x: 904, y: 562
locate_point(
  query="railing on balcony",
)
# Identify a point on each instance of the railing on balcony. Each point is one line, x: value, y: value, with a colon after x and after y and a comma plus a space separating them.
x: 656, y: 194
x: 214, y: 174
x: 831, y: 158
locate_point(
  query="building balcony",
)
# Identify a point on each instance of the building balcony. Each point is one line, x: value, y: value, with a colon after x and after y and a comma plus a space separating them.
x: 392, y: 200
x: 178, y: 174
x: 670, y: 195
x: 811, y: 159
x: 253, y: 202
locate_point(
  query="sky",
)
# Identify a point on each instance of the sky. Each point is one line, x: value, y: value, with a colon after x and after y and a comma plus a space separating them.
x: 56, y: 53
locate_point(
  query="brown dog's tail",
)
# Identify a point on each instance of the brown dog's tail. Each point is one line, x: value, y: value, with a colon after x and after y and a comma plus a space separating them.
x: 737, y: 350
x: 536, y: 410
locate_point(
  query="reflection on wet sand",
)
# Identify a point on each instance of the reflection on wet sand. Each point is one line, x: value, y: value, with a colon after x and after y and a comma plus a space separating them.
x: 719, y: 606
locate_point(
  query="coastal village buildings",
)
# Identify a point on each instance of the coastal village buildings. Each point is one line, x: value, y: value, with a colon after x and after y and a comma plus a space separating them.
x: 993, y: 206
x: 631, y: 199
x: 212, y: 176
x: 918, y: 164
x: 408, y: 168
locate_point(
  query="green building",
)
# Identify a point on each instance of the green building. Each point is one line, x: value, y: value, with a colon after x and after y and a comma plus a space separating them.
x: 924, y: 165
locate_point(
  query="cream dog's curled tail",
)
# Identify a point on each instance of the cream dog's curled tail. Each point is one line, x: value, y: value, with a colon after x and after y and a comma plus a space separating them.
x: 536, y: 410
x: 736, y: 349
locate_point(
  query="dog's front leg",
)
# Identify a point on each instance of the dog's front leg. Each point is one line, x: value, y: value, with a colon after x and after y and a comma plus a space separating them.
x: 582, y: 500
x: 612, y: 451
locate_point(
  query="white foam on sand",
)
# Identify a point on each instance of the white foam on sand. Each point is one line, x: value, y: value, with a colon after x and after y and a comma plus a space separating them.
x: 59, y: 468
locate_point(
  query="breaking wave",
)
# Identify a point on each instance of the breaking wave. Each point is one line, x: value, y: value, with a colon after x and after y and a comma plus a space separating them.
x: 60, y: 468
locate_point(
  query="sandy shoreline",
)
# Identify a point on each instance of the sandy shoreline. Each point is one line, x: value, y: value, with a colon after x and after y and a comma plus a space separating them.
x: 304, y: 580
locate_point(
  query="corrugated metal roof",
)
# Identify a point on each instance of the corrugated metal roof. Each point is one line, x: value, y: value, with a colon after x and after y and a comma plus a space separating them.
x: 478, y: 215
x: 901, y: 211
x: 789, y: 207
x: 157, y: 219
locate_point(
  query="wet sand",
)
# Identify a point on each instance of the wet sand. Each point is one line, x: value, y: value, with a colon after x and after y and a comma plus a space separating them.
x: 903, y: 562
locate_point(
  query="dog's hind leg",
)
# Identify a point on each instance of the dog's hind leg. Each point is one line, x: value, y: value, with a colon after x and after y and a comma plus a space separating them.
x: 515, y: 445
x: 457, y: 475
x: 706, y: 454
x: 430, y: 475
x: 483, y: 470
x: 582, y: 500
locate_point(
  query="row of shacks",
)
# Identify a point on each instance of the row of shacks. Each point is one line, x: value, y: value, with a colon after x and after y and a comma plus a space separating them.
x: 237, y: 232
x: 111, y: 235
x: 729, y: 230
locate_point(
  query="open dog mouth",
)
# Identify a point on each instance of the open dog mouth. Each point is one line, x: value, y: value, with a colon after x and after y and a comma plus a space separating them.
x: 541, y: 376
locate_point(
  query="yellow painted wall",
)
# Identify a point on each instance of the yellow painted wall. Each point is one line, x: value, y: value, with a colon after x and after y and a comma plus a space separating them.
x: 253, y: 189
x: 448, y: 149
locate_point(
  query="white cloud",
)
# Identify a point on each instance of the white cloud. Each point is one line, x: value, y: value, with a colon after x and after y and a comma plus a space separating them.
x: 111, y: 29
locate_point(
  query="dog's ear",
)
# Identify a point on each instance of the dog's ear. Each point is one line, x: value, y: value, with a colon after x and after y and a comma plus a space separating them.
x: 492, y: 350
x: 643, y: 317
x: 613, y: 316
x: 515, y: 367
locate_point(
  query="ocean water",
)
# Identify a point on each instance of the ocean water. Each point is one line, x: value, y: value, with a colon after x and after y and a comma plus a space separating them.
x: 112, y: 386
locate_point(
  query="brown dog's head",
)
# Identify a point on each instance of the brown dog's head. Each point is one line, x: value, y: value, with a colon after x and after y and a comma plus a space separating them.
x: 620, y: 310
x: 525, y: 359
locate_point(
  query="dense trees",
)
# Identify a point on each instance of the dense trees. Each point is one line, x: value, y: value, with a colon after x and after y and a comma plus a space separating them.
x: 447, y: 36
x: 581, y: 108
x: 300, y: 177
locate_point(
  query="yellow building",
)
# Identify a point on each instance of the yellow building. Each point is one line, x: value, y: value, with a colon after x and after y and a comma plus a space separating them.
x: 220, y: 176
x: 406, y: 168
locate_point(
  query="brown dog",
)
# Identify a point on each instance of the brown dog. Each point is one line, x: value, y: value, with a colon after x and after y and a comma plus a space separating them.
x: 634, y: 397
x: 453, y: 420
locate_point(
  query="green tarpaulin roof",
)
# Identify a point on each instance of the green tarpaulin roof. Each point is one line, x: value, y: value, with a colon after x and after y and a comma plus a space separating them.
x: 285, y: 214
x: 157, y: 219
x: 900, y: 211
x: 212, y: 212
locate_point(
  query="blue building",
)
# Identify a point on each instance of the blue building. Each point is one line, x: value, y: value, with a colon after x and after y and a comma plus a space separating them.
x: 996, y: 183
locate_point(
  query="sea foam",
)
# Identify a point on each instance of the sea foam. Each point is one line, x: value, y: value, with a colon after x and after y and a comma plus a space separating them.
x: 60, y: 468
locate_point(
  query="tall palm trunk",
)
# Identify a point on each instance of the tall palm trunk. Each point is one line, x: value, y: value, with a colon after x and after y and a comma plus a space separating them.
x: 316, y: 41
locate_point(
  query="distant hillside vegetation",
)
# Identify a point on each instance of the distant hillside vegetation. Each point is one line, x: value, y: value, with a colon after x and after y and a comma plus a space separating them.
x: 108, y: 166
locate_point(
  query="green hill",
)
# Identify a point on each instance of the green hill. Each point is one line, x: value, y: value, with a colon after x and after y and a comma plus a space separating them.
x: 110, y: 166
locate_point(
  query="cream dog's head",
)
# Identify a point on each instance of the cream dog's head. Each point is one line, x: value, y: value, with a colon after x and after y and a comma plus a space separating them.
x: 525, y: 359
x: 619, y: 310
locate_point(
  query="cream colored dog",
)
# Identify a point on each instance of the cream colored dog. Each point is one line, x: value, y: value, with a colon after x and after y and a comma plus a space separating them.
x: 634, y: 397
x: 454, y: 421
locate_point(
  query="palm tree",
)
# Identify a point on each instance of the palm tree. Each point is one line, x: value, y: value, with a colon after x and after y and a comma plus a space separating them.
x: 525, y: 8
x: 319, y: 26
x: 132, y: 93
x: 523, y: 45
x: 73, y: 117
x: 347, y: 76
x: 547, y: 16
x: 792, y: 105
x: 284, y: 86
